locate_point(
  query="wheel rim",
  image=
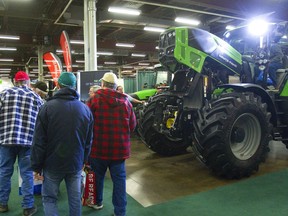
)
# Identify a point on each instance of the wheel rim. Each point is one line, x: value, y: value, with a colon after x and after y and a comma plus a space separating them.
x: 245, y: 136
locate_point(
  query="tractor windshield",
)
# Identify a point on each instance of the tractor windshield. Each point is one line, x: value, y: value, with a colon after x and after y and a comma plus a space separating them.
x: 243, y: 42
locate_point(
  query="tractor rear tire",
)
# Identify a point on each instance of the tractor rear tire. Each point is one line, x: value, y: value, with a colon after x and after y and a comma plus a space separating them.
x: 233, y: 135
x: 158, y: 142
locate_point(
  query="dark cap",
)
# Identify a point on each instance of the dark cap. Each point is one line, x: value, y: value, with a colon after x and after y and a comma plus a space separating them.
x: 41, y: 85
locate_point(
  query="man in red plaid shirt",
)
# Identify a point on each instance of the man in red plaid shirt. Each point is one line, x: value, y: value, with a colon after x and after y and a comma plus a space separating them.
x: 114, y: 120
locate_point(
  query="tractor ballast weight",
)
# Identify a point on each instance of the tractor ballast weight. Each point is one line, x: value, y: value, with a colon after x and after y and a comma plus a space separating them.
x: 228, y: 126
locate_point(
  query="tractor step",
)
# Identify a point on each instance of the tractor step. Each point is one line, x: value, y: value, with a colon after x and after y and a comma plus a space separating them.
x: 280, y: 139
x: 277, y: 137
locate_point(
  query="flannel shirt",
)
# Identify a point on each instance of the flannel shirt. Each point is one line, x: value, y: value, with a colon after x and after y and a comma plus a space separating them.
x: 114, y: 120
x: 19, y: 107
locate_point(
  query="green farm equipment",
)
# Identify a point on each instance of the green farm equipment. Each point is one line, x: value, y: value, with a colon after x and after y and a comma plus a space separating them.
x: 213, y: 104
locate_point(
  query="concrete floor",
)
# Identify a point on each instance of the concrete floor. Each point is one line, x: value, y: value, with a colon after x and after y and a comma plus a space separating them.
x: 153, y: 179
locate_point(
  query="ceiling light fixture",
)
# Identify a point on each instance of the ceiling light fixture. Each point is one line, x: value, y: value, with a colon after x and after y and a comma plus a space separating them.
x: 8, y: 48
x: 9, y: 37
x: 127, y: 66
x: 126, y: 11
x: 125, y: 45
x: 80, y: 61
x: 111, y: 63
x: 5, y: 69
x: 138, y: 55
x: 76, y: 42
x: 104, y: 53
x: 61, y: 51
x: 154, y: 29
x: 144, y: 64
x: 6, y: 60
x: 230, y: 27
x: 187, y: 21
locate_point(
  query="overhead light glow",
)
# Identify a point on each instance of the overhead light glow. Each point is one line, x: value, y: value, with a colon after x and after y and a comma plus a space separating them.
x: 126, y: 11
x: 187, y: 21
x: 9, y: 37
x: 138, y: 55
x: 80, y: 61
x: 258, y: 27
x: 5, y: 69
x: 154, y: 29
x: 125, y: 45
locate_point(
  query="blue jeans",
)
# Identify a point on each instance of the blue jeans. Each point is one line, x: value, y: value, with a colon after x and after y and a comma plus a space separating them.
x: 50, y: 191
x: 118, y: 175
x: 8, y: 155
x: 273, y: 67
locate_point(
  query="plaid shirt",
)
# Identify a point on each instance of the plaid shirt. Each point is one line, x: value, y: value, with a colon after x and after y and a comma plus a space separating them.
x: 114, y: 120
x: 19, y: 107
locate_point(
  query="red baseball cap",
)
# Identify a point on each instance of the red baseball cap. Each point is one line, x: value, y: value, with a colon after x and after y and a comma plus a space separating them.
x: 21, y: 76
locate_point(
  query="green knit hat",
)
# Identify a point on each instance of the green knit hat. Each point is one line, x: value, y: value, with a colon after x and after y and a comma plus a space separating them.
x: 67, y: 79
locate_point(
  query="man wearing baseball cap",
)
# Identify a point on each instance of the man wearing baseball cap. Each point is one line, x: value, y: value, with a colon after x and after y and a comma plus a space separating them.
x: 40, y: 88
x: 114, y: 120
x: 19, y: 107
x: 61, y: 145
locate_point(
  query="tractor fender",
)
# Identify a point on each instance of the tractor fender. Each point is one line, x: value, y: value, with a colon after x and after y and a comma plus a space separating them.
x: 250, y: 87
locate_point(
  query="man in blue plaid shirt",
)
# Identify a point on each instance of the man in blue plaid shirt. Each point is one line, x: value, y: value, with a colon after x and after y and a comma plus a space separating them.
x: 19, y: 107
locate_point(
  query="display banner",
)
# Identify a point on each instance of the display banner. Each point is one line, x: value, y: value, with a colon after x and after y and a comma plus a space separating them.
x: 54, y: 65
x: 65, y: 45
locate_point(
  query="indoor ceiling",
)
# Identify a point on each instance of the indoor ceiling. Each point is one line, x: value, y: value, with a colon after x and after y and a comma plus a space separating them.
x: 39, y: 23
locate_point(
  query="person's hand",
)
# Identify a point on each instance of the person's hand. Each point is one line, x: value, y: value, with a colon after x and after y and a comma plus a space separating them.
x: 38, y: 176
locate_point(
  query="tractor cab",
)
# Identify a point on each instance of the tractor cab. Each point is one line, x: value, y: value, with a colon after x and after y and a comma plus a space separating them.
x: 256, y: 52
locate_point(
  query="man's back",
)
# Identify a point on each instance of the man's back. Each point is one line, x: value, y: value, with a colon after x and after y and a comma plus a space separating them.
x: 66, y: 123
x: 276, y: 54
x: 18, y: 111
x: 114, y: 121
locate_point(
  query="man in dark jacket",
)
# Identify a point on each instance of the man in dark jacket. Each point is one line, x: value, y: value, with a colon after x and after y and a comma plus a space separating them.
x: 61, y: 145
x: 114, y: 120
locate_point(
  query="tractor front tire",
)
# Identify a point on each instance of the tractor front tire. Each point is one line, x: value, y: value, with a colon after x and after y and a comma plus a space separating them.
x: 158, y: 142
x: 233, y: 134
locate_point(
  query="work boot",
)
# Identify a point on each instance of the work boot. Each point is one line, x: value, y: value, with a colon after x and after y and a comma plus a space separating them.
x: 3, y: 208
x: 30, y: 211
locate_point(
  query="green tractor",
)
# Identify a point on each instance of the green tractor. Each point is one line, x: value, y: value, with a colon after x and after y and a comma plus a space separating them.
x: 213, y: 104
